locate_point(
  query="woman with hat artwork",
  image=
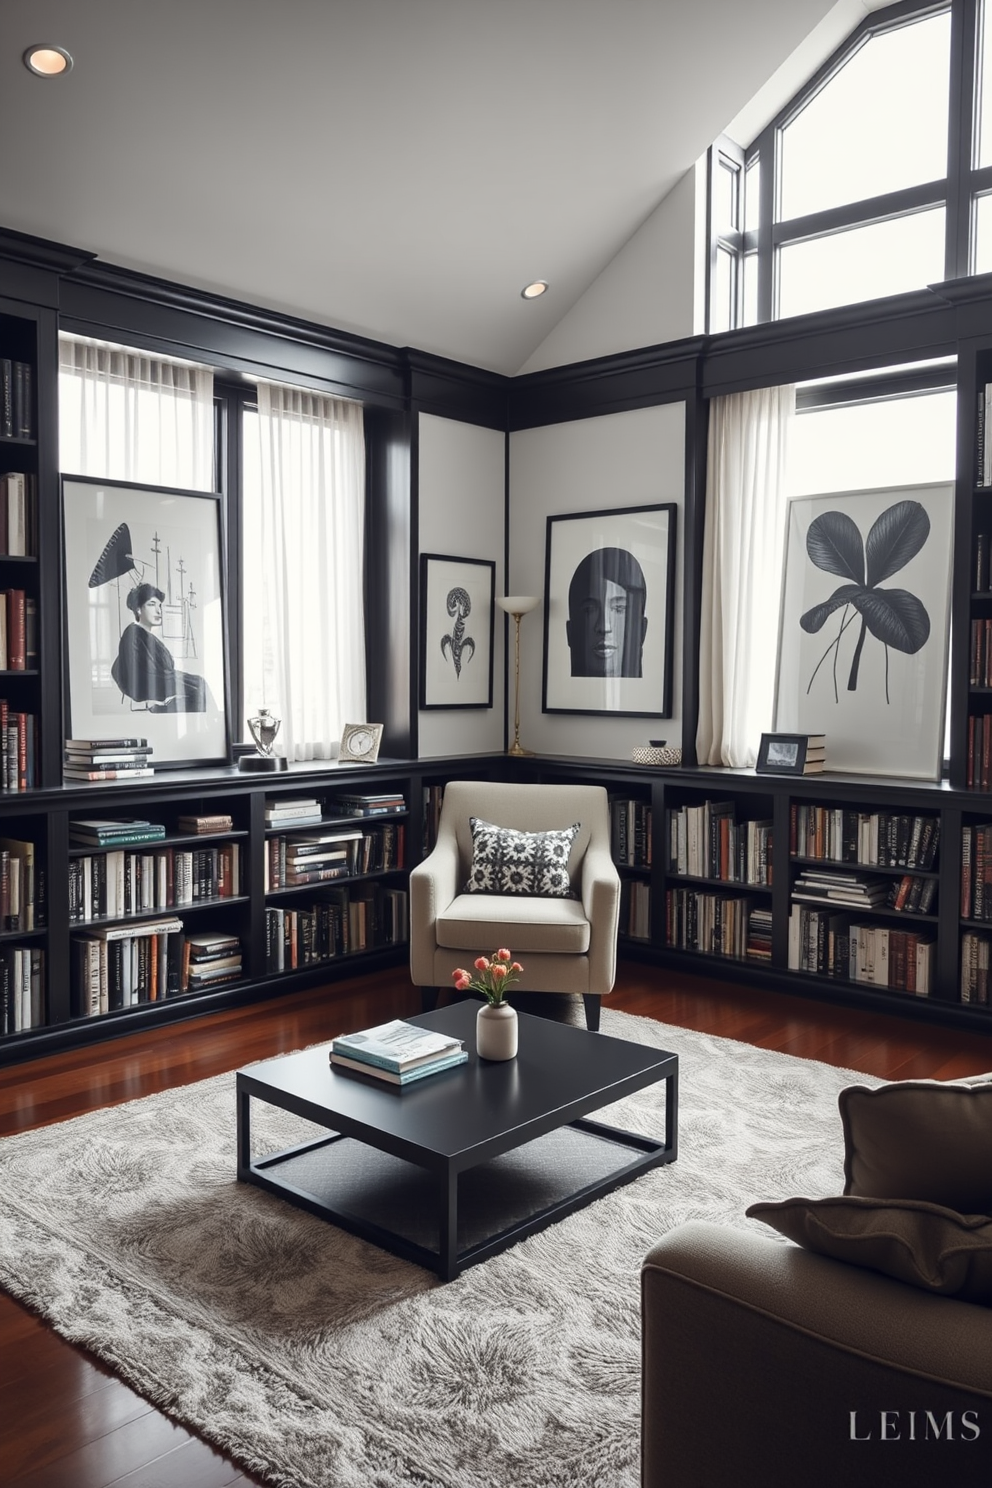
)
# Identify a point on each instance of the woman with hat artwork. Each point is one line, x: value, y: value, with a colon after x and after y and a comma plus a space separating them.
x: 144, y: 670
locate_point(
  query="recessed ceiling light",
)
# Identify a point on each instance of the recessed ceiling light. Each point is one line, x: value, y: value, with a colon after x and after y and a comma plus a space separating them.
x: 47, y: 61
x: 531, y: 291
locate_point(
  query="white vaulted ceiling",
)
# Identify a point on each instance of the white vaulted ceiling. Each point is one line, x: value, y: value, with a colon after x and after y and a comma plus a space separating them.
x: 397, y: 168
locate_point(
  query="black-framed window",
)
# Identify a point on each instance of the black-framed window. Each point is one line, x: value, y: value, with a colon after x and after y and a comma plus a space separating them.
x: 876, y: 177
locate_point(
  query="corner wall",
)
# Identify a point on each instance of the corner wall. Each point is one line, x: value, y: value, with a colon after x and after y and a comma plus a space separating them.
x: 461, y: 513
x: 636, y: 458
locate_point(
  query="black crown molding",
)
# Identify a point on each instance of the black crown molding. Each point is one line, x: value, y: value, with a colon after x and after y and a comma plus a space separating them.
x: 611, y: 384
x: 456, y: 390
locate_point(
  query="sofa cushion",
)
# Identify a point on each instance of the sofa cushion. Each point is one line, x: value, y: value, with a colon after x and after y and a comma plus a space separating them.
x: 920, y: 1139
x: 505, y: 861
x: 923, y: 1244
x: 550, y: 925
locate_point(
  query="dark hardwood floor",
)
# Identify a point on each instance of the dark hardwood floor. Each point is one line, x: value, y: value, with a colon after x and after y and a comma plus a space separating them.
x: 68, y: 1422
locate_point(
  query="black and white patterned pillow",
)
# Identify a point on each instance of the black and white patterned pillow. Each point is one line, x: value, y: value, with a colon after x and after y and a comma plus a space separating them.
x: 508, y: 862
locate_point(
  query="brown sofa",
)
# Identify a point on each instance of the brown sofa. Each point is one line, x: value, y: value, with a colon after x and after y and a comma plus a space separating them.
x: 850, y: 1358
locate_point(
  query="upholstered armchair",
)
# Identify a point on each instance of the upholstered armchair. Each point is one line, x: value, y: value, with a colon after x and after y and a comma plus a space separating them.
x: 566, y: 944
x: 858, y: 1353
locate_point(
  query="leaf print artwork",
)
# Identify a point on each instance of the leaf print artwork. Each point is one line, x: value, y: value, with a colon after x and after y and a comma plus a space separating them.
x: 895, y: 617
x: 458, y: 643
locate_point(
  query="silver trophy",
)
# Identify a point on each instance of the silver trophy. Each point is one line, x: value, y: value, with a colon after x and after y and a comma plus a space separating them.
x: 264, y: 728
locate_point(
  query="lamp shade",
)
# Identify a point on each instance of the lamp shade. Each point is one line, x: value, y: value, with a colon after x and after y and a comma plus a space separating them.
x: 518, y: 604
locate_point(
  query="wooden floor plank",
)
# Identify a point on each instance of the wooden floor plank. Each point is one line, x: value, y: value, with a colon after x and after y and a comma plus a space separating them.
x: 68, y: 1422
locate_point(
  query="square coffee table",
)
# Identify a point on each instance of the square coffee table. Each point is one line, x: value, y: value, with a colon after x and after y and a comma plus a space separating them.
x: 453, y: 1168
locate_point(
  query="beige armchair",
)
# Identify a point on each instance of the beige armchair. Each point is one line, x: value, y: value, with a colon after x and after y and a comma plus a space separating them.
x: 565, y: 944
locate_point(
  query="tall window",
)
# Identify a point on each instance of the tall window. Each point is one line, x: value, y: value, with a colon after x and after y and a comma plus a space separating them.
x: 303, y: 520
x: 876, y: 179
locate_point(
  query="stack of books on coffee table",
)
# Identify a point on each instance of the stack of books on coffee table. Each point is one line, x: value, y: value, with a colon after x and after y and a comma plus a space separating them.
x: 397, y: 1052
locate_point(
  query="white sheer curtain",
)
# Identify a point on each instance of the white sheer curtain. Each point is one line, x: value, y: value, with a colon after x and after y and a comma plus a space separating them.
x: 743, y: 544
x: 303, y: 565
x: 125, y: 415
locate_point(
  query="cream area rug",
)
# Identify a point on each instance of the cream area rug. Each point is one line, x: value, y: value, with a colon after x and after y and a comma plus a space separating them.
x: 314, y: 1358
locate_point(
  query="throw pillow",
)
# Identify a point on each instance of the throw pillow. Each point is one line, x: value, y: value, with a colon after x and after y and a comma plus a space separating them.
x: 920, y: 1139
x: 505, y: 861
x: 923, y: 1244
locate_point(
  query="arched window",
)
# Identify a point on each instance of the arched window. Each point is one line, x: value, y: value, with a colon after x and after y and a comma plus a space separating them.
x: 875, y: 179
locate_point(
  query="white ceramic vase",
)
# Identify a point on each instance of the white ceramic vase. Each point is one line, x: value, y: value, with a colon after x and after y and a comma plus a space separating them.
x: 496, y: 1031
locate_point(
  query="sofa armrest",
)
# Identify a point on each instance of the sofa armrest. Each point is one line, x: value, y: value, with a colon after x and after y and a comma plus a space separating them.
x: 600, y: 893
x: 756, y: 1351
x: 433, y: 886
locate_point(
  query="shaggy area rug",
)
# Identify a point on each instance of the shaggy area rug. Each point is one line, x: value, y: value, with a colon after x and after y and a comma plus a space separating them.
x: 317, y: 1359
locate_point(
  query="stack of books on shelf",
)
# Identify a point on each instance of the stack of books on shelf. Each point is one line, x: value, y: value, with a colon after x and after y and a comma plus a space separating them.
x: 207, y: 825
x: 630, y: 831
x: 341, y: 922
x: 759, y: 935
x: 116, y: 833
x: 209, y: 961
x: 107, y: 759
x: 912, y: 894
x: 976, y: 872
x: 301, y: 812
x: 978, y: 763
x: 16, y: 399
x: 22, y: 889
x: 294, y: 861
x: 367, y: 803
x: 398, y: 1053
x: 851, y: 890
x: 716, y: 924
x: 18, y: 631
x: 980, y: 659
x: 22, y: 988
x: 18, y: 514
x: 18, y: 749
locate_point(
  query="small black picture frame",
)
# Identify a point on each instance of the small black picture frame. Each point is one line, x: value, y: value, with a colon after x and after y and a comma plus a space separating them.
x: 783, y: 754
x: 457, y: 602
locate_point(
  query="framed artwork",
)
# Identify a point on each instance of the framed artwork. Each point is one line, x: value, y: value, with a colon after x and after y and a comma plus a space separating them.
x: 609, y: 582
x: 146, y: 640
x: 456, y: 631
x: 865, y: 618
x: 790, y: 754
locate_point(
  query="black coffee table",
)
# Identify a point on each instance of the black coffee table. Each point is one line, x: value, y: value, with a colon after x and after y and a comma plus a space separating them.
x: 455, y: 1167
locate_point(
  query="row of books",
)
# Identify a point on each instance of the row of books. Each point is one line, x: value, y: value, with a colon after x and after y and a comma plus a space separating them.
x: 396, y: 1053
x: 981, y: 573
x: 292, y: 862
x: 115, y: 882
x: 913, y: 894
x: 121, y: 968
x: 630, y: 832
x: 19, y: 749
x: 16, y: 399
x: 635, y: 909
x: 716, y: 924
x: 18, y: 514
x: 978, y: 761
x: 340, y: 922
x: 980, y: 652
x: 826, y: 942
x: 975, y: 957
x: 875, y: 839
x: 707, y: 841
x: 107, y: 759
x: 22, y: 988
x: 18, y: 631
x: 22, y: 886
x: 976, y: 872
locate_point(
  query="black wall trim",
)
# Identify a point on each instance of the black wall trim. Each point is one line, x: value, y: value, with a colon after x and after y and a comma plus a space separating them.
x: 456, y: 390
x: 902, y: 327
x: 630, y: 379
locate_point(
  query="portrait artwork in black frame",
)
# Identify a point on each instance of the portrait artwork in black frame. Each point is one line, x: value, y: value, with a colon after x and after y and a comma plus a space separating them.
x: 145, y: 627
x: 610, y: 581
x: 457, y: 603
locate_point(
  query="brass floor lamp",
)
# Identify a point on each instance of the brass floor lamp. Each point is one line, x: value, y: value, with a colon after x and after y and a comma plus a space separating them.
x: 517, y: 605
